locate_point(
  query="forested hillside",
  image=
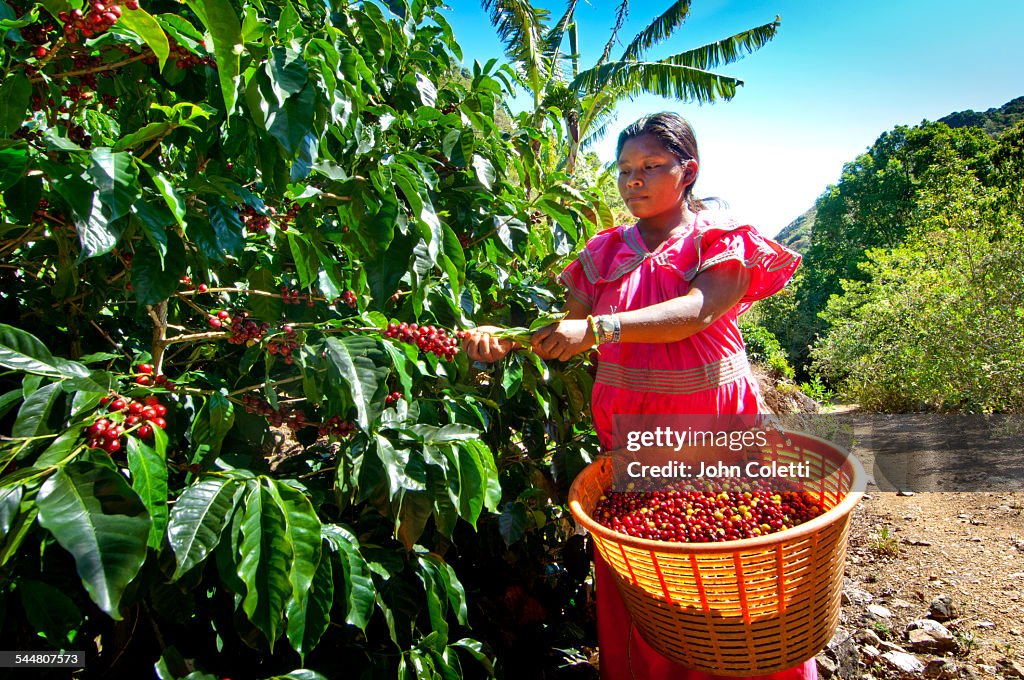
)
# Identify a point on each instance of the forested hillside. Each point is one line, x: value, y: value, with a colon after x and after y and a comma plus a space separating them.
x: 906, y: 298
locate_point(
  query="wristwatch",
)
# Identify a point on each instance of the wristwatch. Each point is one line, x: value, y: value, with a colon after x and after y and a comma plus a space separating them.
x: 605, y: 326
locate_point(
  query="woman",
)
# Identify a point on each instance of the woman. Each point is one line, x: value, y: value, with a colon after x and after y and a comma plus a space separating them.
x: 660, y: 300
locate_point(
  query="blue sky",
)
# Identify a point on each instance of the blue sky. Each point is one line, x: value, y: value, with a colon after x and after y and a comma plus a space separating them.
x: 837, y: 75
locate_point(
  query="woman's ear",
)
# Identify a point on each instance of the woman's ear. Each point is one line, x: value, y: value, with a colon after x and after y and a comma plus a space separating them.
x: 690, y: 168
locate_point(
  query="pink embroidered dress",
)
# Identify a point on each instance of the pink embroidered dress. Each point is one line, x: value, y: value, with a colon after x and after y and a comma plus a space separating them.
x: 705, y: 373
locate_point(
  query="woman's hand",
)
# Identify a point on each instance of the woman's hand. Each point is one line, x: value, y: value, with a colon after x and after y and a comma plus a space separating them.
x: 563, y: 340
x: 480, y: 345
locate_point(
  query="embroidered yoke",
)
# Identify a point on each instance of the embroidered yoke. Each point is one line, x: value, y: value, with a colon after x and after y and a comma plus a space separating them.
x: 705, y: 373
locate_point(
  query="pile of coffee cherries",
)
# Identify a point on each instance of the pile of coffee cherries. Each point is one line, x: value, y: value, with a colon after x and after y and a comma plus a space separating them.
x: 728, y: 512
x: 146, y: 378
x: 427, y: 338
x: 106, y: 433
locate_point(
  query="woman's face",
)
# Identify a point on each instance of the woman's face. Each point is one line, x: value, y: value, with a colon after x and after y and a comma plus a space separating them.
x: 652, y: 181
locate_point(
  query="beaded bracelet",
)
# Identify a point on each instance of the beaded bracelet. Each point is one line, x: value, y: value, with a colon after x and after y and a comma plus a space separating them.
x: 593, y: 329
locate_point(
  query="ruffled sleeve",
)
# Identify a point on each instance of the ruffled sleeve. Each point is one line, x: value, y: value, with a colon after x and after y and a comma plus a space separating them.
x: 771, y: 264
x: 576, y: 283
x: 607, y: 256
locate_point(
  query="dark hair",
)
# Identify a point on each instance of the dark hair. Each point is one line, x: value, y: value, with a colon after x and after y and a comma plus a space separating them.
x: 676, y: 135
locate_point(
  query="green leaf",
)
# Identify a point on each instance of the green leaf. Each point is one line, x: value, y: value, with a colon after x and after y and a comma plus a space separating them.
x: 10, y: 502
x: 358, y: 362
x: 13, y: 163
x: 14, y: 97
x: 222, y: 22
x: 9, y: 400
x: 154, y: 221
x: 436, y: 590
x: 360, y: 593
x: 485, y: 173
x: 512, y: 378
x: 263, y: 307
x: 415, y: 509
x: 401, y: 362
x: 475, y: 649
x: 198, y: 520
x: 304, y: 257
x: 35, y: 411
x: 99, y: 519
x: 303, y: 532
x: 431, y: 434
x: 117, y: 181
x: 492, y: 484
x: 52, y: 614
x: 293, y: 120
x: 142, y: 24
x: 154, y: 280
x: 402, y: 473
x: 147, y: 133
x: 288, y: 72
x: 513, y: 522
x: 212, y: 423
x: 60, y: 449
x: 265, y: 556
x: 21, y: 351
x: 472, y: 484
x: 300, y: 674
x: 307, y: 625
x: 149, y: 479
x: 228, y: 228
x: 171, y: 197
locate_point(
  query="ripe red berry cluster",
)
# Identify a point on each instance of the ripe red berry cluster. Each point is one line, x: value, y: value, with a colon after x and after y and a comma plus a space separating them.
x: 243, y: 331
x: 184, y: 59
x: 29, y: 135
x: 255, y: 221
x: 349, y: 298
x: 97, y: 19
x: 78, y: 135
x: 146, y: 378
x: 337, y: 427
x: 286, y: 218
x: 37, y: 34
x: 427, y: 338
x: 685, y: 515
x: 294, y: 297
x: 106, y: 433
x: 284, y: 346
x: 40, y: 214
x: 296, y: 420
x: 392, y: 398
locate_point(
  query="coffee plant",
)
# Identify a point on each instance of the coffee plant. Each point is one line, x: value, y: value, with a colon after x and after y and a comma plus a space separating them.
x: 239, y: 242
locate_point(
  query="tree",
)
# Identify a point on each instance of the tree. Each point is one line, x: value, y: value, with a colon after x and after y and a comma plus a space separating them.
x: 587, y: 98
x: 872, y: 206
x: 237, y: 433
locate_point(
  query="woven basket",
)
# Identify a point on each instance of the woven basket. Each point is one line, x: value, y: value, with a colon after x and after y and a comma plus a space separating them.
x: 748, y: 607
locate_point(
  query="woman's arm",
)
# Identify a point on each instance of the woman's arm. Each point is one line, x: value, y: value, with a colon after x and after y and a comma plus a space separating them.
x: 712, y: 294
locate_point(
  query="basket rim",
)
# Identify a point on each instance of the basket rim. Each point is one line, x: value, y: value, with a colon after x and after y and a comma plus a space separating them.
x: 843, y: 508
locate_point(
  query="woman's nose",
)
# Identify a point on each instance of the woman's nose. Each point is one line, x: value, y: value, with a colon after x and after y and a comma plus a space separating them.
x: 633, y: 180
